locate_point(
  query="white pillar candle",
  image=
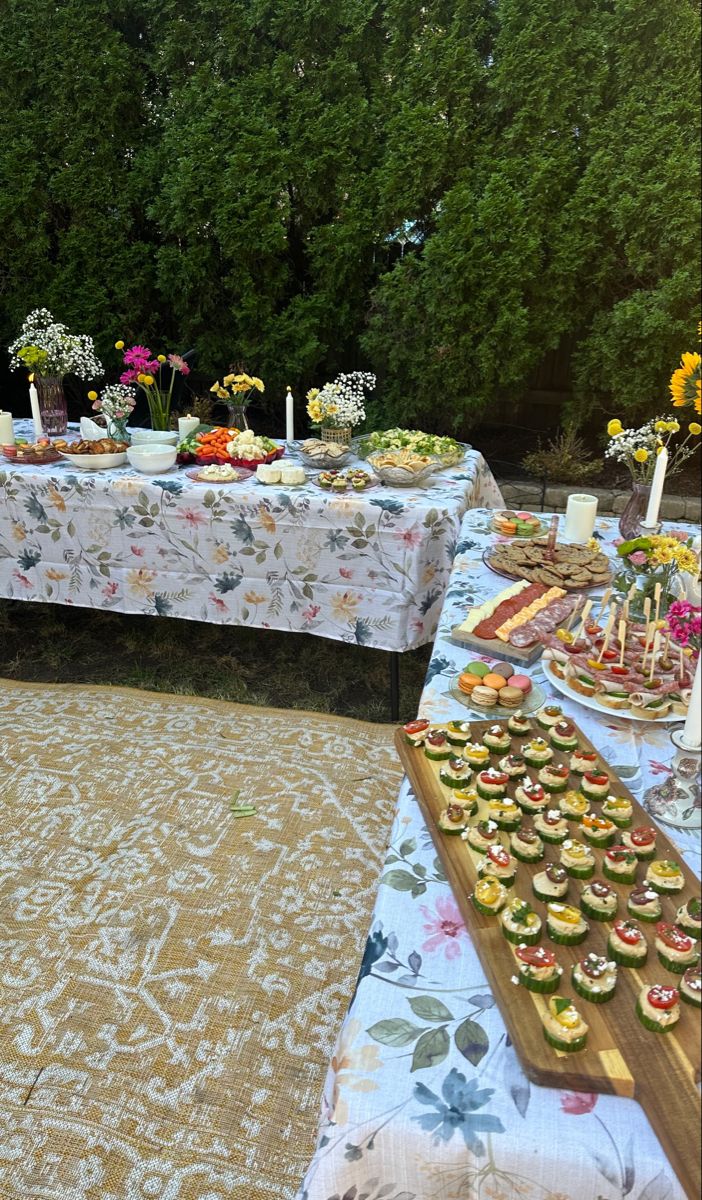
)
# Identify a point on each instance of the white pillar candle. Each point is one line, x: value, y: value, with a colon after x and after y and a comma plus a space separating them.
x: 186, y: 425
x: 654, y: 500
x: 36, y: 415
x: 7, y: 432
x: 581, y: 511
x: 692, y: 733
x: 289, y: 417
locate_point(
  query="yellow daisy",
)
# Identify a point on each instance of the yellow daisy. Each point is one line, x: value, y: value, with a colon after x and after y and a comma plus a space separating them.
x: 686, y: 383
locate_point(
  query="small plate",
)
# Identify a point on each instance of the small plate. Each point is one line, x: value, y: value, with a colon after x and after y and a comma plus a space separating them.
x: 95, y: 462
x: 533, y: 701
x: 348, y: 491
x: 241, y: 474
x: 590, y: 587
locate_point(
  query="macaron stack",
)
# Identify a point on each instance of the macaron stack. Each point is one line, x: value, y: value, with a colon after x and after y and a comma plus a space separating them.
x: 489, y: 686
x: 516, y: 524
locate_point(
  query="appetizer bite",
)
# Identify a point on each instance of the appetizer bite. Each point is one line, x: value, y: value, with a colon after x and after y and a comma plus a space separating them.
x: 619, y: 810
x: 691, y: 987
x: 664, y: 876
x: 436, y: 746
x: 598, y: 831
x: 520, y: 924
x: 594, y: 977
x: 499, y: 864
x: 552, y: 826
x: 564, y: 1028
x: 578, y: 859
x: 538, y: 969
x: 689, y: 917
x: 641, y: 841
x: 526, y: 845
x: 490, y: 896
x: 619, y: 865
x: 658, y: 1008
x: 676, y: 950
x: 599, y: 901
x: 551, y: 883
x: 644, y: 904
x: 456, y: 773
x: 627, y: 944
x: 565, y: 925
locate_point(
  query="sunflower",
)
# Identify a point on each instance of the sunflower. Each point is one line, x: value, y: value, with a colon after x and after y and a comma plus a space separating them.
x: 685, y: 383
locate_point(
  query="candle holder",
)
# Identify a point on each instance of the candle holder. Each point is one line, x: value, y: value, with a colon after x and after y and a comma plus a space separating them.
x: 650, y: 530
x: 678, y: 800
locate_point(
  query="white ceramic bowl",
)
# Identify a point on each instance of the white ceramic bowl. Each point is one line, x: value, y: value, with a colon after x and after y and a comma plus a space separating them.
x: 154, y: 437
x: 95, y: 462
x: 152, y: 459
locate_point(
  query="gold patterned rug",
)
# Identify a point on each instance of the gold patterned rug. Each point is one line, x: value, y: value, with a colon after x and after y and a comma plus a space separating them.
x: 172, y: 975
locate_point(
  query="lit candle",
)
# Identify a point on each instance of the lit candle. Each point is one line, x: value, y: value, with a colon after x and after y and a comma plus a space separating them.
x: 654, y: 500
x: 692, y: 733
x: 7, y: 432
x: 186, y: 425
x: 581, y: 511
x: 289, y: 417
x: 36, y: 415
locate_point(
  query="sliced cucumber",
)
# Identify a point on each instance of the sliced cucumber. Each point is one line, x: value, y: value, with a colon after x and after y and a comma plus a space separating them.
x: 650, y: 1024
x: 568, y: 1047
x: 566, y: 939
x: 587, y: 993
x: 597, y: 914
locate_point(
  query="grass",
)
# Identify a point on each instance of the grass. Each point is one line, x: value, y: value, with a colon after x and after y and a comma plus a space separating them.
x: 57, y: 644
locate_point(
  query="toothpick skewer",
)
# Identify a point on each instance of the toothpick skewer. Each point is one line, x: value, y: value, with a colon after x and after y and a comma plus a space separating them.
x: 621, y: 633
x: 605, y: 601
x: 654, y: 652
x: 607, y: 634
x: 650, y: 627
x: 666, y: 648
x: 657, y: 598
x: 583, y: 618
x: 682, y: 666
x: 574, y: 613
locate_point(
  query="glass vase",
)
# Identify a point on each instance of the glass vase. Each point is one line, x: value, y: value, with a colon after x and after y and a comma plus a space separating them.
x: 236, y: 415
x: 634, y: 510
x: 52, y: 404
x: 118, y: 430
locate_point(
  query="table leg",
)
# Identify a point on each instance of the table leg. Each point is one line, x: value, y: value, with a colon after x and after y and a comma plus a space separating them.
x: 394, y: 686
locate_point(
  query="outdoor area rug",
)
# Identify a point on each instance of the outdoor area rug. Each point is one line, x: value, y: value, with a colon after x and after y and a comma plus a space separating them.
x: 173, y: 976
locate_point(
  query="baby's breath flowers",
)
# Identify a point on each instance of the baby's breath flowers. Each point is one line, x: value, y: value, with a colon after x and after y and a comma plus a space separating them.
x: 46, y: 347
x: 340, y: 404
x: 116, y: 403
x: 638, y: 448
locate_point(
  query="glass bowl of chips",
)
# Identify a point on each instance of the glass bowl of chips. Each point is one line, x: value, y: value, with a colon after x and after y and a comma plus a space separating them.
x: 403, y: 468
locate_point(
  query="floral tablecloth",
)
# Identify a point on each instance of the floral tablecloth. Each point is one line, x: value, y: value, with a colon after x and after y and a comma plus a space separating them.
x: 370, y: 569
x: 425, y: 1098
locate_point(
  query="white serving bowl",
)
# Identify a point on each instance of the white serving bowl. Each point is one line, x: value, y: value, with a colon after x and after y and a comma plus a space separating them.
x: 152, y: 459
x: 154, y: 437
x: 95, y: 462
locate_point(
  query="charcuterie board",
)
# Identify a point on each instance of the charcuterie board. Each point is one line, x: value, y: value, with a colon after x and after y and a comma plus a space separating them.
x: 494, y: 648
x: 621, y: 1056
x: 531, y: 610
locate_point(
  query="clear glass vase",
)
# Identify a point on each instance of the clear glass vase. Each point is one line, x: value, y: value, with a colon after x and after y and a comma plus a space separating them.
x: 52, y: 404
x: 634, y: 510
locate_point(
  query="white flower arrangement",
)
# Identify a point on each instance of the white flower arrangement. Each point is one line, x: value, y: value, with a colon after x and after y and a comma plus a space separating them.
x: 639, y: 448
x: 46, y: 347
x: 116, y: 401
x: 340, y: 404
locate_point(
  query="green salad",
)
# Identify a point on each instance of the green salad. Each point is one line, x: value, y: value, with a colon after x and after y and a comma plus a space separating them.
x: 445, y: 448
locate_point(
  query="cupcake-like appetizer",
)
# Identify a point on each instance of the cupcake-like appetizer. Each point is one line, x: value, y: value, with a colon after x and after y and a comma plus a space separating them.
x: 416, y: 731
x: 538, y: 969
x: 598, y: 831
x: 642, y: 841
x: 551, y: 883
x: 578, y: 859
x: 564, y: 1028
x: 476, y: 754
x: 491, y: 784
x: 549, y: 715
x: 496, y: 737
x: 594, y: 977
x: 453, y: 819
x: 599, y: 901
x: 595, y: 785
x: 619, y: 865
x: 582, y: 761
x: 627, y: 944
x: 658, y: 1007
x: 573, y: 805
x: 518, y: 725
x: 566, y: 925
x: 513, y: 765
x: 436, y: 746
x: 468, y: 799
x: 664, y: 876
x: 554, y: 778
x: 489, y: 896
x: 537, y: 752
x: 691, y: 987
x: 644, y: 904
x: 551, y: 826
x: 520, y: 924
x: 618, y: 809
x: 456, y: 773
x: 526, y: 845
x: 458, y: 733
x: 676, y: 950
x: 530, y: 796
x: 505, y: 813
x: 499, y: 864
x: 563, y: 736
x: 689, y: 917
x: 482, y: 835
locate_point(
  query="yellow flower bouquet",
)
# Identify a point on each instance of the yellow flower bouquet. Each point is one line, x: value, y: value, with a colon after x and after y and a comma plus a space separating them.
x: 638, y: 448
x: 236, y: 391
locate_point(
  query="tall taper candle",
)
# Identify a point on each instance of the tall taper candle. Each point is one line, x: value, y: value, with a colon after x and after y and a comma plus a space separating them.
x: 36, y: 415
x: 692, y: 733
x: 289, y: 417
x: 654, y: 500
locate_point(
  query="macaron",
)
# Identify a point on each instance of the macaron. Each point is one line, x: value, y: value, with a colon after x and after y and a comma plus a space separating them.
x: 485, y: 696
x: 522, y: 682
x: 503, y: 668
x: 477, y: 668
x: 511, y: 697
x: 493, y: 680
x: 467, y: 682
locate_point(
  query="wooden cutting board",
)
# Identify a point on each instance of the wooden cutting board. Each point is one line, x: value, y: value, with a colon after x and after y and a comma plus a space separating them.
x: 661, y: 1071
x: 494, y: 648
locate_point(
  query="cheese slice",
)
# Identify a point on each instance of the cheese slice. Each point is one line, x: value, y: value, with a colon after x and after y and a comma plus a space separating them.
x: 476, y: 615
x: 525, y: 614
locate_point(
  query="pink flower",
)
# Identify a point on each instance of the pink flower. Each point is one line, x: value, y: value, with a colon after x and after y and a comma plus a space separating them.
x: 137, y: 551
x: 310, y: 613
x: 22, y: 579
x: 659, y: 768
x: 409, y: 537
x: 445, y: 927
x: 110, y: 589
x: 179, y: 364
x: 97, y: 405
x: 345, y: 573
x: 578, y: 1103
x: 639, y: 558
x: 129, y: 376
x: 217, y: 603
x: 194, y: 517
x: 136, y: 355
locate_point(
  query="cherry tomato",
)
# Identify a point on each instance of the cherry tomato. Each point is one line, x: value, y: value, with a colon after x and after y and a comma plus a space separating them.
x: 619, y: 854
x: 536, y: 956
x: 436, y: 739
x: 556, y: 873
x: 674, y: 937
x: 564, y: 728
x: 597, y: 778
x: 621, y: 671
x: 609, y: 655
x: 628, y: 932
x: 499, y: 856
x: 600, y: 889
x: 663, y: 997
x: 643, y: 835
x: 559, y: 772
x: 415, y: 726
x: 552, y: 818
x: 494, y: 777
x: 587, y: 755
x: 594, y: 966
x: 528, y: 835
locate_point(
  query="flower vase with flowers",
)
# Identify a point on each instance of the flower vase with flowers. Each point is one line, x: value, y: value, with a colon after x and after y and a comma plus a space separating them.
x: 143, y: 368
x: 339, y: 406
x: 236, y: 390
x: 684, y: 624
x: 116, y: 403
x: 49, y: 351
x: 638, y: 449
x: 648, y: 561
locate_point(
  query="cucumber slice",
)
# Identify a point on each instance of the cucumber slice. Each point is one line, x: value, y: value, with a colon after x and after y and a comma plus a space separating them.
x: 620, y: 822
x: 508, y: 824
x: 523, y: 938
x: 585, y: 872
x: 622, y: 959
x: 621, y: 877
x: 569, y: 1047
x: 485, y: 909
x: 676, y: 967
x: 438, y: 755
x: 451, y: 781
x: 566, y: 939
x: 650, y: 1024
x: 647, y: 918
x: 528, y: 858
x: 588, y: 994
x: 696, y: 1002
x: 554, y: 788
x: 553, y: 839
x: 600, y: 841
x: 596, y: 913
x: 542, y: 986
x: 485, y: 795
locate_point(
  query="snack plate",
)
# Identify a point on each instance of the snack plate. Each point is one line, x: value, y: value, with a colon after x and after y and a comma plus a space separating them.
x: 520, y: 537
x: 33, y: 460
x: 241, y: 474
x: 348, y: 491
x: 590, y: 702
x: 531, y: 702
x: 621, y: 1057
x: 590, y: 587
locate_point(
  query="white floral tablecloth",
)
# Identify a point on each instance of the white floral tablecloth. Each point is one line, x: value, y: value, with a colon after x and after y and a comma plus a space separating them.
x: 425, y: 1098
x: 370, y: 569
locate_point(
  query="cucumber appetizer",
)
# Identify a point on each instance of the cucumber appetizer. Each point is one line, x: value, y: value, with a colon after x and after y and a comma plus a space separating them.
x: 565, y: 925
x: 538, y: 969
x: 599, y: 901
x: 415, y: 732
x: 573, y: 805
x: 595, y: 978
x: 689, y: 917
x: 563, y: 736
x: 513, y: 765
x: 551, y: 826
x: 537, y: 752
x: 498, y: 863
x: 497, y: 738
x: 665, y: 876
x: 530, y: 796
x: 619, y: 810
x: 491, y: 784
x: 564, y: 1028
x: 553, y: 778
x: 578, y: 859
x: 456, y: 773
x: 627, y: 944
x: 436, y: 746
x: 691, y: 987
x: 520, y: 924
x: 476, y: 754
x: 489, y: 896
x: 518, y: 725
x: 505, y: 813
x: 454, y: 818
x: 551, y: 883
x: 582, y: 761
x: 645, y: 904
x: 658, y: 1008
x: 483, y: 835
x: 458, y: 733
x: 676, y: 950
x: 619, y: 865
x: 595, y: 785
x: 641, y: 841
x: 598, y: 831
x: 549, y: 716
x: 526, y: 845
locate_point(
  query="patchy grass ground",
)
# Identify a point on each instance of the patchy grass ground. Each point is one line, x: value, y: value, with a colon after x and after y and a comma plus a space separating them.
x: 53, y: 643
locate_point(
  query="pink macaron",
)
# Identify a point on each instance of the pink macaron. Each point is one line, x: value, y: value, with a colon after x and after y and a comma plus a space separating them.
x: 522, y: 682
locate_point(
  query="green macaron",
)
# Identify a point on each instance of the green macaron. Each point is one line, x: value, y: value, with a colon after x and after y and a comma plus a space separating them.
x: 478, y: 668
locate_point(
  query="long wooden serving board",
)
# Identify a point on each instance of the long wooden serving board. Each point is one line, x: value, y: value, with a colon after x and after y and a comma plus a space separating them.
x: 621, y: 1057
x: 495, y: 648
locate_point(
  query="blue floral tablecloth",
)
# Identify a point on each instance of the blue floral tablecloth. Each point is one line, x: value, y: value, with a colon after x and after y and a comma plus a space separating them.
x: 370, y: 569
x: 425, y: 1098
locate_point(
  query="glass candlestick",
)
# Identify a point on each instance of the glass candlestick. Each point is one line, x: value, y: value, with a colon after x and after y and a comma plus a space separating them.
x: 678, y: 799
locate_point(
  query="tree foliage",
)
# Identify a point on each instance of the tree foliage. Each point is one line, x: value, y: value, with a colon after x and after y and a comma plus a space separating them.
x: 438, y: 192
